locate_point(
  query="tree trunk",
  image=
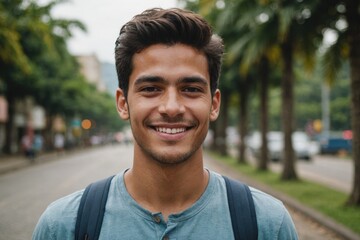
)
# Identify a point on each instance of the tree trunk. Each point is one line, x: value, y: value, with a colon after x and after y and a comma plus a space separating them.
x: 243, y: 118
x: 353, y: 19
x: 264, y: 87
x: 287, y: 85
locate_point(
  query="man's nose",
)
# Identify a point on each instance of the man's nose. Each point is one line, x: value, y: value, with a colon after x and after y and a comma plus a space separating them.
x: 171, y: 104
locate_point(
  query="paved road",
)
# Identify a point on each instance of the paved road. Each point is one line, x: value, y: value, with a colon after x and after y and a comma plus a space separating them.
x: 331, y: 171
x: 335, y: 171
x: 25, y: 193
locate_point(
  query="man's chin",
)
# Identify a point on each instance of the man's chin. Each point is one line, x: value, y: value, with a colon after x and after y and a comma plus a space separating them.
x: 169, y: 157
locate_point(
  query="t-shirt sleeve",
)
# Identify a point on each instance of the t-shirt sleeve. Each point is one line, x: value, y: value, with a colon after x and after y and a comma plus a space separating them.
x: 287, y: 229
x: 274, y: 221
x: 42, y: 229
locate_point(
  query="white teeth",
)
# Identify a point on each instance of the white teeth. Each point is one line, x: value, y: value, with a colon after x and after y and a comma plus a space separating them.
x: 170, y: 130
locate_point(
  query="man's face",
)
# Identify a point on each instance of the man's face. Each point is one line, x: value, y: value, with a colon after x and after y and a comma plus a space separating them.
x: 169, y: 102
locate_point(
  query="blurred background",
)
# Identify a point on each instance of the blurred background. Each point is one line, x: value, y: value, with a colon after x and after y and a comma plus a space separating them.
x: 290, y: 82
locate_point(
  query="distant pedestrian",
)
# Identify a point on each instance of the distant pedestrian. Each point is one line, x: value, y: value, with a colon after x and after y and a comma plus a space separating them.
x: 59, y: 142
x: 27, y: 146
x: 38, y: 144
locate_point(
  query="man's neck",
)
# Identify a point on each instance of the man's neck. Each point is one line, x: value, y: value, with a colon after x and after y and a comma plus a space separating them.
x: 167, y: 188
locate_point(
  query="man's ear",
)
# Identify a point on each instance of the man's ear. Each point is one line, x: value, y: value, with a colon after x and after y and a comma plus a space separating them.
x: 215, y: 106
x: 121, y: 104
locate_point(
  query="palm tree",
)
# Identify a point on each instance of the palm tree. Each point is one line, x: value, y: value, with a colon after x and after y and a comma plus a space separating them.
x: 353, y: 19
x: 273, y: 30
x: 295, y: 36
x: 256, y: 42
x: 264, y: 73
x: 343, y: 17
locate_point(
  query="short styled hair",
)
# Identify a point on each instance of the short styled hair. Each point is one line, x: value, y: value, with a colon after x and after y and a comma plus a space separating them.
x: 169, y: 27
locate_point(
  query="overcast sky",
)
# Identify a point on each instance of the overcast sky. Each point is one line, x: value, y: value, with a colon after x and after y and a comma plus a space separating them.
x: 103, y: 20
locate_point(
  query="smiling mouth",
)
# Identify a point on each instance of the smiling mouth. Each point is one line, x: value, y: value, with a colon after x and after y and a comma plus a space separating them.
x: 170, y: 130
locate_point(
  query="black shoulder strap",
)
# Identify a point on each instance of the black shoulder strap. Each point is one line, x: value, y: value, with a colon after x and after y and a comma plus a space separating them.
x: 242, y: 210
x: 91, y: 210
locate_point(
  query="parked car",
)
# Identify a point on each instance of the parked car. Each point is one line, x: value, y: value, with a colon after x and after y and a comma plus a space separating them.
x: 301, y: 144
x: 334, y: 145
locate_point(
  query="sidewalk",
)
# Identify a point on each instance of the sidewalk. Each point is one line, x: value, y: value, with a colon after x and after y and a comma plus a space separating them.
x: 9, y: 163
x: 13, y: 162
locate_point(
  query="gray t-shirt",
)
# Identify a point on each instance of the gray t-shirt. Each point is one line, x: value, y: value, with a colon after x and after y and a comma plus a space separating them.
x: 207, y: 218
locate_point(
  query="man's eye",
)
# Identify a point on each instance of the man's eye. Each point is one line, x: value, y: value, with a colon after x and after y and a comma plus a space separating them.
x: 150, y: 89
x: 192, y: 90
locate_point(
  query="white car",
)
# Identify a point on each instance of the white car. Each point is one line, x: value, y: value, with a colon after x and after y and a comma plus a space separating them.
x: 301, y: 144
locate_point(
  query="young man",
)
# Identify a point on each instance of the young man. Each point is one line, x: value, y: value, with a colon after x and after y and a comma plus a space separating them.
x: 168, y: 64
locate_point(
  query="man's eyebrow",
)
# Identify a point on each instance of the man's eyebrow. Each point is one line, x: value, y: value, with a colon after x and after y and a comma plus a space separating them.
x: 157, y: 79
x: 148, y: 79
x: 193, y: 79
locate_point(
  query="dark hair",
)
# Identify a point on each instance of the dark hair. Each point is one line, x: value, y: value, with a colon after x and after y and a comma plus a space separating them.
x: 168, y: 27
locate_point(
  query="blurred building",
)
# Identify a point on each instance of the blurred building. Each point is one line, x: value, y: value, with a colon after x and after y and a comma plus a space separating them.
x: 90, y: 67
x: 28, y: 117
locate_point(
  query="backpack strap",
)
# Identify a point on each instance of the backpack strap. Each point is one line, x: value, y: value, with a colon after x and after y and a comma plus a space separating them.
x: 91, y: 210
x: 242, y: 210
x: 93, y: 201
